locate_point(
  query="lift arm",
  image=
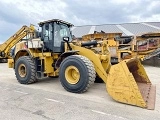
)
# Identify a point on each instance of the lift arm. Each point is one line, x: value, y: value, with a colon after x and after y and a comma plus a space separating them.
x: 7, y: 45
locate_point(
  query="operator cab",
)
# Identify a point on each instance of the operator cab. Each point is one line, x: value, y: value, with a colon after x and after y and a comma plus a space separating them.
x: 53, y: 32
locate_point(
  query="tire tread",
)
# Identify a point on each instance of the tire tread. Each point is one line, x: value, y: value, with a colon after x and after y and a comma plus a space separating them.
x: 33, y: 69
x: 91, y: 70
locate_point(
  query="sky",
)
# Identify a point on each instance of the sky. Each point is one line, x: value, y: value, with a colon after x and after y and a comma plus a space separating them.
x: 16, y: 13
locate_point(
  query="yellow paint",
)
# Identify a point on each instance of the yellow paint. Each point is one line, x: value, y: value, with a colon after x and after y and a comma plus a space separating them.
x: 48, y: 65
x: 72, y: 75
x: 100, y: 36
x: 10, y: 63
x: 122, y: 86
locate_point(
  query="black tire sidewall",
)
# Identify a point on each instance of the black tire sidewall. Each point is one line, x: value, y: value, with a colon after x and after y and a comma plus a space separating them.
x: 83, y: 70
x: 26, y: 79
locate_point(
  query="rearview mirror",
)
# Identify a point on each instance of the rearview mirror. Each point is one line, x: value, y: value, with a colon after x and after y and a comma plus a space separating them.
x: 66, y: 39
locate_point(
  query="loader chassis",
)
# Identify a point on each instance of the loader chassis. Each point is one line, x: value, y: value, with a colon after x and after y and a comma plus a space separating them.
x: 78, y: 65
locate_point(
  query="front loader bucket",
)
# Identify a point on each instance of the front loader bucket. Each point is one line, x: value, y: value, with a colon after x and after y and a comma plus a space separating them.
x: 128, y: 83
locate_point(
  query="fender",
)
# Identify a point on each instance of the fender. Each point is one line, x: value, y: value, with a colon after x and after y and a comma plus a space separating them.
x: 20, y: 53
x: 63, y: 56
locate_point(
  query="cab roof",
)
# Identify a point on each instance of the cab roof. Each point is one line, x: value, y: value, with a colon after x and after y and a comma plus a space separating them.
x: 55, y: 20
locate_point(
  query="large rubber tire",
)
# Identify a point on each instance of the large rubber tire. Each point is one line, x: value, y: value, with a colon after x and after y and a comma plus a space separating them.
x: 86, y: 71
x: 30, y: 70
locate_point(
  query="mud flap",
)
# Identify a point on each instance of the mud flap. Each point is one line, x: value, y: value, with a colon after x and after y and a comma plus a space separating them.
x: 128, y: 83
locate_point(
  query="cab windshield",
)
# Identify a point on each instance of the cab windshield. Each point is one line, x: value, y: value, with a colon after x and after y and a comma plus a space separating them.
x: 61, y: 30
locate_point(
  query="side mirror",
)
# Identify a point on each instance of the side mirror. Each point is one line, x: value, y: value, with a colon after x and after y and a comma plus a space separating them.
x: 66, y: 39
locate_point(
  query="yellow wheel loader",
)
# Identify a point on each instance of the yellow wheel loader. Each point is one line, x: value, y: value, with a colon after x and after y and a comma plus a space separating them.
x: 54, y: 53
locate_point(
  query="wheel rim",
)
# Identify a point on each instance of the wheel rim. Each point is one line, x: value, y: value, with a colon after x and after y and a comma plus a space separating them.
x: 72, y: 74
x: 22, y: 70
